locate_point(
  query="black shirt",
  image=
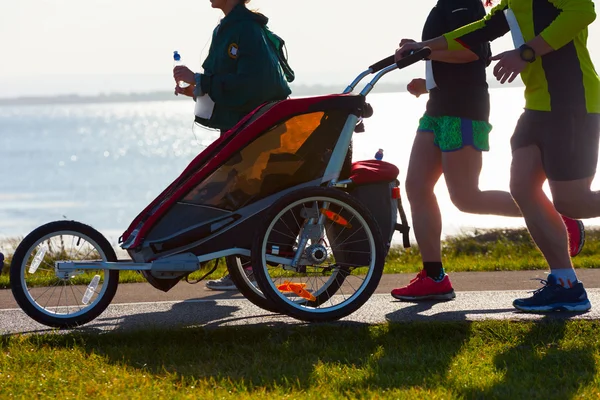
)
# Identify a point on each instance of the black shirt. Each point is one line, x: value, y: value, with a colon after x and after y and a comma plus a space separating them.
x: 462, y: 89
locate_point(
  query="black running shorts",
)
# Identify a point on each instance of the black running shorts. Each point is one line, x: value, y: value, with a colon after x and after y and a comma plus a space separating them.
x: 568, y: 142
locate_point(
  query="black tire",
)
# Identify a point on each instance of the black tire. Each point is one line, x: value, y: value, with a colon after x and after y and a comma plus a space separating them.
x: 22, y: 254
x: 251, y: 293
x: 287, y: 306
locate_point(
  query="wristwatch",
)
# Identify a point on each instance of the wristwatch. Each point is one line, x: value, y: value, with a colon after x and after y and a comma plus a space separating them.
x: 527, y: 53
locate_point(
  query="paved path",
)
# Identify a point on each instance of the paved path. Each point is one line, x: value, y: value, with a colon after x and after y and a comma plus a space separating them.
x: 485, y: 295
x: 462, y: 282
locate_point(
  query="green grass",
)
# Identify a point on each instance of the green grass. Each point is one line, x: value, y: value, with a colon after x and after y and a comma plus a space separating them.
x: 492, y: 359
x: 492, y: 250
x: 479, y: 250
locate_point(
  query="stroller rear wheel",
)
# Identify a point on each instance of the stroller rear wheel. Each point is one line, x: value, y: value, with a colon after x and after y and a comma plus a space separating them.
x: 330, y: 251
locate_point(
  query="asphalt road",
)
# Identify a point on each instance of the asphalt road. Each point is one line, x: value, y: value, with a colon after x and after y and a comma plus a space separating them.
x: 138, y: 306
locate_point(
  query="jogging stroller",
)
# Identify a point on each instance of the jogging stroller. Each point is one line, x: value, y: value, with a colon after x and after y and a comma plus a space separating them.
x: 303, y: 230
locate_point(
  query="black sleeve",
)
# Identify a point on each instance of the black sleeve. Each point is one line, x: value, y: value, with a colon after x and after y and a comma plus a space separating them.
x: 459, y: 13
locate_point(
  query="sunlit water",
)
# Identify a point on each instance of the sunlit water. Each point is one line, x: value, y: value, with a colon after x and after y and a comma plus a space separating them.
x: 102, y: 163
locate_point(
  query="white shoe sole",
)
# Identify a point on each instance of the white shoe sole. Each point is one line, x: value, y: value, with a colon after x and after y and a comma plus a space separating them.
x: 444, y: 296
x: 227, y: 288
x: 576, y: 307
x: 222, y: 288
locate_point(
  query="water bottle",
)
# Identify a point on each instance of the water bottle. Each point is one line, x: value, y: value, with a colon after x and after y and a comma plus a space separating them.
x: 379, y: 155
x: 89, y: 292
x: 177, y: 62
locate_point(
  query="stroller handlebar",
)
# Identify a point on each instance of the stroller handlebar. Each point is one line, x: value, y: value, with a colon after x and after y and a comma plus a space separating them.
x: 386, y: 65
x: 414, y: 57
x: 379, y: 65
x: 411, y: 58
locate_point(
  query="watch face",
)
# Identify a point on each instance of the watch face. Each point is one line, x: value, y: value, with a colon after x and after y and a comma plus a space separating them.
x: 527, y: 54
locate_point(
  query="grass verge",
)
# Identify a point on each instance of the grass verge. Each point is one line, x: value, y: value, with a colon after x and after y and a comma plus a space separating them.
x: 478, y: 250
x: 489, y: 359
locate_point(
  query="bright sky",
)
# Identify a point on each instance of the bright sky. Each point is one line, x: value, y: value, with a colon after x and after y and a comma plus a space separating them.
x: 93, y: 46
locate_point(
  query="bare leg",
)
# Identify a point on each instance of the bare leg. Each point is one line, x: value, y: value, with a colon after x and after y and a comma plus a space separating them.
x: 575, y: 199
x: 461, y: 171
x: 543, y: 221
x: 424, y: 170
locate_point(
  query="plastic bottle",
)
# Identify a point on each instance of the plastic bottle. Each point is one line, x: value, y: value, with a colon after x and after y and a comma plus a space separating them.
x: 177, y: 62
x: 89, y: 292
x: 379, y: 155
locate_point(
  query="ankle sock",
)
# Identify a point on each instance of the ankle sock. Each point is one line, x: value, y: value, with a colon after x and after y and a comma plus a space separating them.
x: 565, y: 277
x: 434, y: 270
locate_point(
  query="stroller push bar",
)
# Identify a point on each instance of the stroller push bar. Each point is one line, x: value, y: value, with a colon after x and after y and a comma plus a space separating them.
x: 386, y: 65
x: 381, y: 68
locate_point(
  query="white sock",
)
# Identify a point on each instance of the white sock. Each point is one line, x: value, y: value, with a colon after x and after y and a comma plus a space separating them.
x: 565, y: 277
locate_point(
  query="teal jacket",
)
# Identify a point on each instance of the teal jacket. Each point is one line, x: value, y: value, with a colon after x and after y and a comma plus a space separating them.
x: 241, y: 70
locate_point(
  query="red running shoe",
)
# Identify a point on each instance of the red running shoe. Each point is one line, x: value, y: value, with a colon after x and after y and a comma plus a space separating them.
x: 424, y: 288
x: 576, y: 233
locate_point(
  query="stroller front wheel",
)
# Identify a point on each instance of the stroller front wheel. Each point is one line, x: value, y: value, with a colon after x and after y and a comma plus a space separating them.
x: 51, y: 298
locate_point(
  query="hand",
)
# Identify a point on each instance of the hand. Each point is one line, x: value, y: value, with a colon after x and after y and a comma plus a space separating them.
x: 187, y: 91
x: 183, y: 73
x: 510, y: 65
x: 406, y: 46
x: 417, y: 87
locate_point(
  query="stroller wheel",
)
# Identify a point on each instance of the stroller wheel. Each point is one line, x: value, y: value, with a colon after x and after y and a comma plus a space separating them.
x: 247, y: 284
x: 63, y: 301
x: 329, y: 250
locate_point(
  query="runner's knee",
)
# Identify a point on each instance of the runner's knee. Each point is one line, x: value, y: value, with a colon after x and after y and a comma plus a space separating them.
x: 521, y: 189
x: 567, y: 206
x: 466, y: 200
x: 417, y: 190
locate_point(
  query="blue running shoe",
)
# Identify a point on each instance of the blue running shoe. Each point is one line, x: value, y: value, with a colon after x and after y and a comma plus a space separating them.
x: 554, y: 297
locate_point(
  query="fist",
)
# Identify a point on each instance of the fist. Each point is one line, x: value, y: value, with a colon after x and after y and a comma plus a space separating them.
x: 417, y: 87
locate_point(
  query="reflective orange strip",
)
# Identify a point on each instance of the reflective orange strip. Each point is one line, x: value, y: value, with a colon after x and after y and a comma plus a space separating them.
x: 335, y: 217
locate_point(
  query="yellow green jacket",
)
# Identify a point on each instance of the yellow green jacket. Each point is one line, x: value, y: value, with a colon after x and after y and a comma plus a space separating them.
x: 563, y: 80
